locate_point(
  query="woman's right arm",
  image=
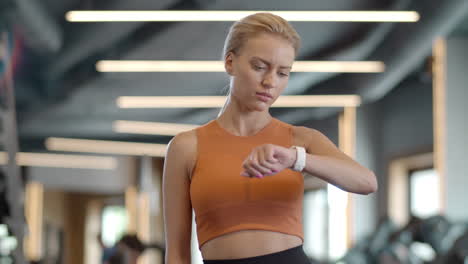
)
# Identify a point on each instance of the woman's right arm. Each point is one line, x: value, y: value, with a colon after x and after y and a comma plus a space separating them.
x: 177, y: 208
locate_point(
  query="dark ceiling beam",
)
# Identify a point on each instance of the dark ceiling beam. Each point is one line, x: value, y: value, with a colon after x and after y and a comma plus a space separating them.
x: 90, y: 44
x: 40, y: 31
x: 6, y: 8
x: 75, y: 64
x: 363, y: 43
x: 407, y: 46
x: 404, y: 49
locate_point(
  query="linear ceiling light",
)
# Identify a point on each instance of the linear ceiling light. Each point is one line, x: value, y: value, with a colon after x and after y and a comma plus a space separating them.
x: 218, y: 101
x: 294, y: 16
x: 107, y: 147
x: 218, y: 66
x: 153, y: 128
x: 61, y: 161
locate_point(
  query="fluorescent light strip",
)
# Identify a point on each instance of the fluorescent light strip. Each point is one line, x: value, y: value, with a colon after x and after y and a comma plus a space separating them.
x: 108, y: 147
x: 218, y: 66
x: 152, y: 128
x: 218, y: 101
x: 215, y: 15
x: 61, y: 161
x: 338, y: 66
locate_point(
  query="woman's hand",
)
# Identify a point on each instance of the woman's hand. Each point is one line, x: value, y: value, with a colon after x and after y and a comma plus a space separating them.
x: 268, y: 159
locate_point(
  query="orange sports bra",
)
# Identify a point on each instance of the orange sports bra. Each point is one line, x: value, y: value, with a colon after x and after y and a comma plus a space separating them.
x: 224, y: 201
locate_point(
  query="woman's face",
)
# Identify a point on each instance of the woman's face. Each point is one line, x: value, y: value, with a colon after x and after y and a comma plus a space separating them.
x: 260, y: 71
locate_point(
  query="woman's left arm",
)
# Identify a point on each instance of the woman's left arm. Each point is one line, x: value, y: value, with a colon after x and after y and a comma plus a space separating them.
x: 325, y: 161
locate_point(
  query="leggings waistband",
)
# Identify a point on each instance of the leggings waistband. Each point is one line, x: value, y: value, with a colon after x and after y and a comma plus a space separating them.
x: 294, y: 255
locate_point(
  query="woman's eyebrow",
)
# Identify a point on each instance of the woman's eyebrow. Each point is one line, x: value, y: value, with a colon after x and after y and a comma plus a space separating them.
x: 260, y: 59
x: 268, y: 63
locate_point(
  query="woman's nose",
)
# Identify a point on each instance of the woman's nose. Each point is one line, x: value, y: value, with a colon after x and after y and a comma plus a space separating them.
x: 269, y: 81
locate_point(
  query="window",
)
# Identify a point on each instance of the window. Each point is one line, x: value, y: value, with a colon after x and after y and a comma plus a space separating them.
x: 316, y: 224
x: 406, y: 191
x: 114, y: 224
x: 424, y: 193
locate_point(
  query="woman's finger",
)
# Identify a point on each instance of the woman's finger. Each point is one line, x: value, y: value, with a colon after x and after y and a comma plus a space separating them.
x: 267, y: 162
x: 262, y: 161
x: 250, y: 169
x: 254, y: 162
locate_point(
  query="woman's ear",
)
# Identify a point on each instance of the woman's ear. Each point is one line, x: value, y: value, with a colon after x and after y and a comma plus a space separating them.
x: 228, y: 63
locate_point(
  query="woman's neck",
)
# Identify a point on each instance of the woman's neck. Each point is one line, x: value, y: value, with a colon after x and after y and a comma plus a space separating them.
x: 243, y: 123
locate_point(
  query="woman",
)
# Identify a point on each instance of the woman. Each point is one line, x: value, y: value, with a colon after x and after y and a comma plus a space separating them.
x: 241, y: 173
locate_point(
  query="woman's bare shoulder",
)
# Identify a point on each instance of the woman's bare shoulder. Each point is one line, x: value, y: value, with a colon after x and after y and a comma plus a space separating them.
x: 184, y: 143
x: 183, y: 149
x: 304, y: 134
x: 184, y: 139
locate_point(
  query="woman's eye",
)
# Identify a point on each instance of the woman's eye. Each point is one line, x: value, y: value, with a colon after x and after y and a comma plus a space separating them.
x: 283, y: 74
x: 257, y: 67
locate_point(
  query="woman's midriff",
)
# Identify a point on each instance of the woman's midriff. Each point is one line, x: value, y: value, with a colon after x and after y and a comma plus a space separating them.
x: 248, y: 243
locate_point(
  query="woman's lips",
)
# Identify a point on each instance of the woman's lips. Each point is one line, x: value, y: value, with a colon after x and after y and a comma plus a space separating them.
x: 264, y: 97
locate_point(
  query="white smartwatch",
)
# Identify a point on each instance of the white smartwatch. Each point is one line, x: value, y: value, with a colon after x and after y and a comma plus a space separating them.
x: 300, y: 163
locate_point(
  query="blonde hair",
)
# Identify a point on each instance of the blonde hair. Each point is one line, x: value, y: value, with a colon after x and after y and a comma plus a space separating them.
x: 254, y: 25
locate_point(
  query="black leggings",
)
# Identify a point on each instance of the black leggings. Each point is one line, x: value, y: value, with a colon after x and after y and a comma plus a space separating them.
x: 294, y: 255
